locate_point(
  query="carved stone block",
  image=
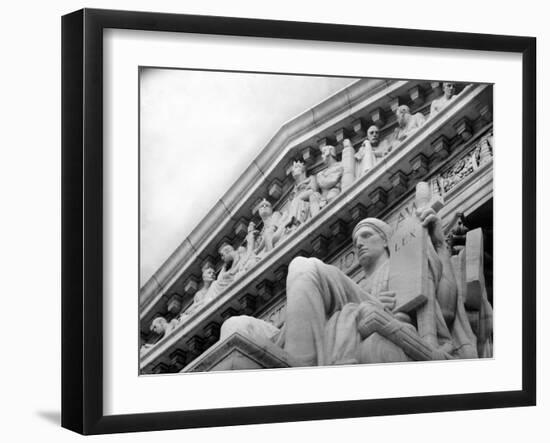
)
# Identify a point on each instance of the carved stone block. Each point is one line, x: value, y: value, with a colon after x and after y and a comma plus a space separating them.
x: 399, y: 182
x: 339, y: 229
x: 195, y: 345
x: 241, y: 228
x: 265, y: 289
x: 377, y: 117
x: 359, y: 127
x: 319, y: 245
x: 212, y: 332
x: 280, y: 274
x: 486, y: 113
x: 441, y: 146
x: 229, y: 312
x: 358, y: 212
x: 464, y: 128
x: 308, y: 155
x: 325, y: 141
x: 248, y: 304
x: 379, y: 198
x: 191, y: 285
x: 173, y: 305
x: 341, y: 134
x: 178, y: 359
x: 420, y: 165
x: 275, y: 189
x: 417, y: 95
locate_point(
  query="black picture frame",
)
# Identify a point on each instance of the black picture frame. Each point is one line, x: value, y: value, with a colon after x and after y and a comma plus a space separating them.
x: 82, y: 220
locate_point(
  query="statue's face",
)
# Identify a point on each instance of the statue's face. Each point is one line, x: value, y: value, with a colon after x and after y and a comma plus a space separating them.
x: 402, y: 113
x: 373, y: 135
x: 327, y: 151
x: 265, y: 209
x: 208, y: 274
x: 227, y: 254
x: 158, y: 326
x: 297, y: 169
x: 369, y: 245
x: 448, y: 89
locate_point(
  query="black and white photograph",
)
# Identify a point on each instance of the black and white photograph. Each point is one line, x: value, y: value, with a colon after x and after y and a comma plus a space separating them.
x: 290, y: 221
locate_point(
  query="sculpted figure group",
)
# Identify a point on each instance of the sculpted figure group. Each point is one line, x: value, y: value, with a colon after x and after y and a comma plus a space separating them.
x: 332, y: 320
x: 308, y: 196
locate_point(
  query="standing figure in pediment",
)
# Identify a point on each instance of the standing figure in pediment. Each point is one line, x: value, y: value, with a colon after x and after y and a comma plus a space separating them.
x: 304, y: 197
x: 443, y: 101
x: 407, y: 124
x: 371, y: 151
x: 203, y: 295
x: 329, y: 180
x: 275, y: 227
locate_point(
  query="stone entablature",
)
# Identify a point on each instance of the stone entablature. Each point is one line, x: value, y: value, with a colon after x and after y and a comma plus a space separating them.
x: 372, y: 194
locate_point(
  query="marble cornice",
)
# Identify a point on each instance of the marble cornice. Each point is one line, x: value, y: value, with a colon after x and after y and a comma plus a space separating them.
x: 358, y: 192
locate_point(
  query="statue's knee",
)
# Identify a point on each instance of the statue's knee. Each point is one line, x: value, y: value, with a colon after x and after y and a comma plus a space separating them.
x: 300, y: 265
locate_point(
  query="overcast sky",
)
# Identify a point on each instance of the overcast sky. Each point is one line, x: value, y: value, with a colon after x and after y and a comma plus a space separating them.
x: 199, y: 131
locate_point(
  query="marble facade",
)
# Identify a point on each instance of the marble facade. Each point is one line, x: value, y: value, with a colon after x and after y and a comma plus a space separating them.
x: 366, y: 161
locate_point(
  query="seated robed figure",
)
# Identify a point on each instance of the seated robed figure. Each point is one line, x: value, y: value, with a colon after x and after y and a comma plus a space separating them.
x: 328, y: 315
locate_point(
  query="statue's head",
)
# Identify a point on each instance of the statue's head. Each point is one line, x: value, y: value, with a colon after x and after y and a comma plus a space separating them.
x: 448, y: 89
x: 328, y: 151
x: 227, y: 253
x: 208, y: 273
x: 298, y: 168
x: 265, y: 209
x: 158, y: 325
x: 373, y: 135
x: 370, y: 240
x: 402, y: 113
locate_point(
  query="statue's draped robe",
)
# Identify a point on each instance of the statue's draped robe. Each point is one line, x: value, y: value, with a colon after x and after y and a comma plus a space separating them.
x: 322, y: 309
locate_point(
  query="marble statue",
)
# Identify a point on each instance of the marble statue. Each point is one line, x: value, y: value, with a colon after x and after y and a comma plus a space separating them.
x: 329, y: 180
x: 304, y: 197
x: 332, y: 320
x: 407, y: 124
x: 447, y: 97
x: 370, y: 151
x: 235, y: 264
x: 275, y: 226
x: 162, y: 328
x: 203, y: 295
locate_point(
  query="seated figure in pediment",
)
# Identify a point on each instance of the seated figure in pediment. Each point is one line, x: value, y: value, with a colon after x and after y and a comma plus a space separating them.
x: 332, y: 320
x: 304, y: 197
x: 407, y: 124
x: 203, y: 295
x: 276, y: 226
x: 329, y: 180
x: 162, y: 328
x: 446, y: 99
x: 371, y: 150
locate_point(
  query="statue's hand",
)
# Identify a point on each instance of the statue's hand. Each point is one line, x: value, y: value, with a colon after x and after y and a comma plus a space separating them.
x: 387, y: 298
x: 430, y: 220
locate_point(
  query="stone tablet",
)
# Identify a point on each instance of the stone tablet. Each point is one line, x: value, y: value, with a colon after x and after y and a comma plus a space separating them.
x: 408, y: 274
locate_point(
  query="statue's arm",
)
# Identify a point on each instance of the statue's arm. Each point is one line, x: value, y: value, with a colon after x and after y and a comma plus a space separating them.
x: 447, y: 288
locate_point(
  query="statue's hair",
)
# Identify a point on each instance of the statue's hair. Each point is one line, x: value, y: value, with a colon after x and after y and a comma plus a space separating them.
x: 379, y: 226
x: 157, y: 320
x: 224, y: 244
x: 331, y: 147
x: 403, y: 107
x: 298, y: 163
